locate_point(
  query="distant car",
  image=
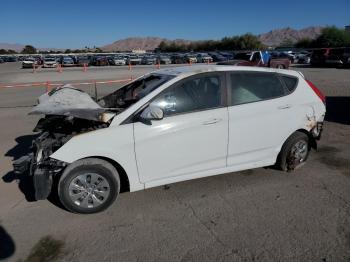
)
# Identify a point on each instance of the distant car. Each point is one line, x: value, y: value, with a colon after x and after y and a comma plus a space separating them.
x: 304, y: 58
x: 204, y: 58
x: 227, y: 55
x: 190, y: 58
x: 67, y: 61
x: 163, y: 59
x: 49, y: 62
x: 346, y: 57
x: 148, y: 60
x: 99, y: 61
x: 28, y: 62
x: 116, y: 60
x: 134, y: 60
x: 218, y: 57
x: 38, y: 59
x: 178, y: 59
x: 1, y: 60
x: 12, y: 59
x: 319, y: 56
x: 291, y: 55
x: 83, y: 60
x: 335, y: 57
x: 169, y: 126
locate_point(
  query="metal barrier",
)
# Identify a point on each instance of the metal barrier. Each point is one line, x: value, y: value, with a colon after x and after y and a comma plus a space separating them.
x: 49, y: 85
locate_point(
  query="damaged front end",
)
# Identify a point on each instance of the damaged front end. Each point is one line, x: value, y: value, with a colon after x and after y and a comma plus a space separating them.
x: 68, y: 112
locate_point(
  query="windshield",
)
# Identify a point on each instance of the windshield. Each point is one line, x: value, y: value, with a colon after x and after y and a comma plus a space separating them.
x: 50, y: 59
x: 133, y: 92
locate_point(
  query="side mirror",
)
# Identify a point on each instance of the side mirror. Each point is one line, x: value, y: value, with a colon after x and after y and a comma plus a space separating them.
x: 151, y: 113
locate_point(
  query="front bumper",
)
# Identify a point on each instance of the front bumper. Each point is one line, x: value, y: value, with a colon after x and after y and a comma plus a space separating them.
x: 42, y: 173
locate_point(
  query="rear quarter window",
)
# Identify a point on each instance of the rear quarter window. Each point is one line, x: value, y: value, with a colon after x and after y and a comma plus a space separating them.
x: 249, y: 87
x: 290, y: 82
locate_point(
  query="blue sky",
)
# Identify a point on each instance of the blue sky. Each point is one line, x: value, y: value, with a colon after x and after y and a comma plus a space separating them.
x: 78, y: 23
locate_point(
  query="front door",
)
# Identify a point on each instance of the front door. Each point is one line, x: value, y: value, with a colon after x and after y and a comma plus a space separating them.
x: 193, y: 135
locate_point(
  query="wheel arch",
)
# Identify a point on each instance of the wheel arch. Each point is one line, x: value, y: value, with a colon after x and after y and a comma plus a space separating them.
x: 124, y: 179
x: 312, y: 140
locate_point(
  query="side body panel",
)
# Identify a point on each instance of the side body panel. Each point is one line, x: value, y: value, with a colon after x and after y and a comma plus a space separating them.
x: 114, y: 142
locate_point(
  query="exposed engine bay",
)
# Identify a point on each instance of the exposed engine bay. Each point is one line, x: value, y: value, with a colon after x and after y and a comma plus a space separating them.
x: 68, y: 112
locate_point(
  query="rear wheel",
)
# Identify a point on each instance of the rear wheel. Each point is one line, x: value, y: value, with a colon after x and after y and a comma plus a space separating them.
x: 89, y: 186
x: 280, y: 66
x: 294, y: 152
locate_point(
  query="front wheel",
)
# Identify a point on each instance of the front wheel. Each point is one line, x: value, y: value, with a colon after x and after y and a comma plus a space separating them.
x: 294, y: 152
x: 88, y: 186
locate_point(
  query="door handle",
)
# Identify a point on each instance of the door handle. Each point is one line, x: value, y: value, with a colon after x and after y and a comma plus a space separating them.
x: 285, y: 106
x: 212, y: 121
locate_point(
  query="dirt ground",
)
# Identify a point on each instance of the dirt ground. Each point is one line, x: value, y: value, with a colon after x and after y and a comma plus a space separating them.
x: 255, y: 215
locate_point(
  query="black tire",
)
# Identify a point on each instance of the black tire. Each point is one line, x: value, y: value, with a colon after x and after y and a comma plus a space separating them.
x: 279, y: 66
x: 104, y: 170
x: 286, y: 161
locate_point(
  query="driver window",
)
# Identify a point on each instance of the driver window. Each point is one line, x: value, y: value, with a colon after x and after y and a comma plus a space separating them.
x: 194, y: 94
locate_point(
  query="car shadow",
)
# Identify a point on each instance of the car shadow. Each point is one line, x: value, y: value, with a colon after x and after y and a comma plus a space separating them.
x: 25, y: 182
x: 338, y: 109
x: 7, y: 245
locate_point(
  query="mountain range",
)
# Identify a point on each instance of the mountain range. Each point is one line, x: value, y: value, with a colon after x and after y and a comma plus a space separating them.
x: 272, y: 38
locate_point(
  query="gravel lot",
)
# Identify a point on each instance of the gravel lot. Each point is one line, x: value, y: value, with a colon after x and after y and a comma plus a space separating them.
x: 255, y: 215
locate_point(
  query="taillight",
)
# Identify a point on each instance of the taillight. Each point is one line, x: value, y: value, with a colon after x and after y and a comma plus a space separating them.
x: 317, y: 91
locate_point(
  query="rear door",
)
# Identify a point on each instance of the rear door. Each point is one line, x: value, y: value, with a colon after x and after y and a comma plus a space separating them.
x: 193, y: 135
x: 259, y: 113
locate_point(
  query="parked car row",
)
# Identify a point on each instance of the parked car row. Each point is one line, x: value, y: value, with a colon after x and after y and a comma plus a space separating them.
x: 4, y: 59
x: 124, y: 59
x: 274, y: 58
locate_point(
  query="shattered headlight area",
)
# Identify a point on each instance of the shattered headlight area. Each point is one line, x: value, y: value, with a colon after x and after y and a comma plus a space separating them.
x: 55, y: 132
x: 68, y: 112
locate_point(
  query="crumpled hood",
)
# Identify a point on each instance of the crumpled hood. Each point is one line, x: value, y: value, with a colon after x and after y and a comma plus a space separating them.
x: 69, y: 101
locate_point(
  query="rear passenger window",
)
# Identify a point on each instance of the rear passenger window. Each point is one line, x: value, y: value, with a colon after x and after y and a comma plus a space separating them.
x: 248, y: 87
x: 291, y: 82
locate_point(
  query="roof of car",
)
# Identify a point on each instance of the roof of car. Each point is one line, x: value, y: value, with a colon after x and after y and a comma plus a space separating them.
x: 195, y: 69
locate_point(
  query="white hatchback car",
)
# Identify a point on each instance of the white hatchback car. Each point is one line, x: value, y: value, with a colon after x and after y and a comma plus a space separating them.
x: 169, y: 126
